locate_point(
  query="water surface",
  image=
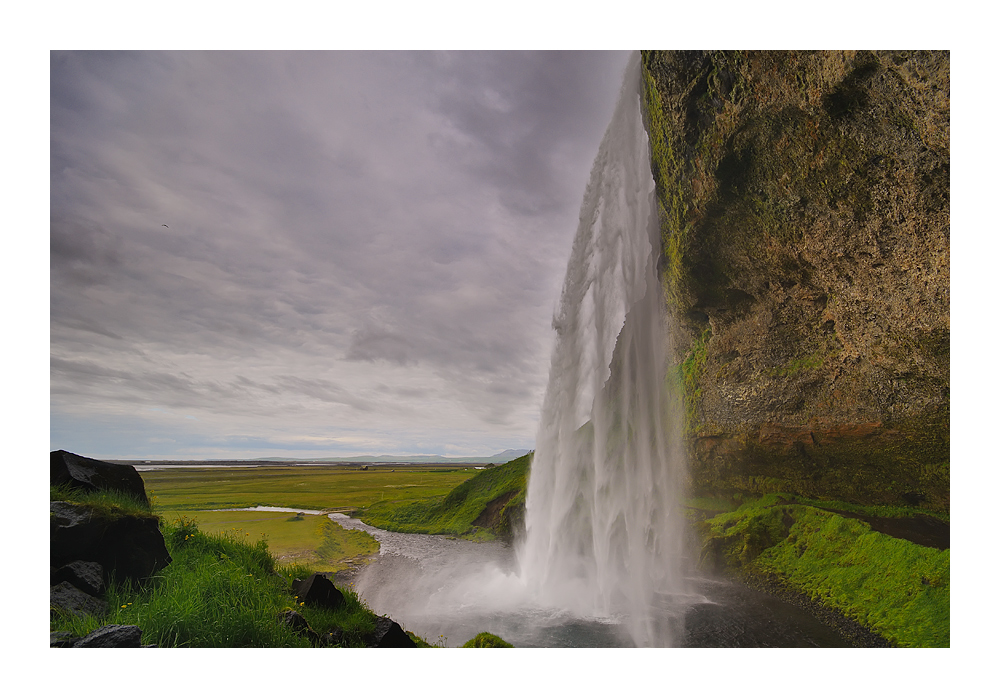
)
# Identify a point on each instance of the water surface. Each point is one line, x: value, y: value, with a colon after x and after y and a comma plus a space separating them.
x: 447, y: 590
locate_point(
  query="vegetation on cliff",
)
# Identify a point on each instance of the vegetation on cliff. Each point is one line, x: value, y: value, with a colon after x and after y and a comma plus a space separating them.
x: 891, y: 586
x: 804, y: 213
x: 804, y: 216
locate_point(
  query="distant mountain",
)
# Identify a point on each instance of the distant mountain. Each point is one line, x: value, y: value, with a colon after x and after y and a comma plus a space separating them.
x: 509, y: 455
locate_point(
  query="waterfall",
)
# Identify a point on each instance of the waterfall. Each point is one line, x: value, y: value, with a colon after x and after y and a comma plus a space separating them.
x: 603, y: 524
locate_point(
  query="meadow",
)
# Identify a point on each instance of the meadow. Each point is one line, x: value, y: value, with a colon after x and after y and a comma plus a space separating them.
x: 232, y: 571
x: 197, y: 494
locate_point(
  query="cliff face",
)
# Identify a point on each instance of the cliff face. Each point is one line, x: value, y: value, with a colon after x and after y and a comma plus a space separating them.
x: 804, y: 207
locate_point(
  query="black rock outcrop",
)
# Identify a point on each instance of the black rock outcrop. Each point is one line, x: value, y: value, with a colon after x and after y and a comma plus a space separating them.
x: 131, y: 545
x: 85, y: 576
x: 388, y: 633
x: 89, y: 544
x: 93, y: 475
x: 64, y: 597
x: 317, y: 590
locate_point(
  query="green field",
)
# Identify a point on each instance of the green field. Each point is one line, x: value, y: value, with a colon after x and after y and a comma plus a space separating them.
x: 482, y: 507
x: 198, y: 493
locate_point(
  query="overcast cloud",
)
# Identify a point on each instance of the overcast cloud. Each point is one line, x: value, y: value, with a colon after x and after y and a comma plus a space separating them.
x: 363, y: 251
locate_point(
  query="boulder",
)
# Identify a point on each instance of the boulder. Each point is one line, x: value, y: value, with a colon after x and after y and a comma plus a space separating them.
x: 389, y: 634
x: 113, y: 636
x: 299, y: 625
x: 92, y: 475
x: 67, y: 598
x: 85, y: 576
x: 71, y: 528
x: 130, y: 545
x: 317, y: 590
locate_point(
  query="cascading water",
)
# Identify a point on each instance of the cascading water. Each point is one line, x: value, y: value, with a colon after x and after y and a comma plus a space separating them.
x: 603, y: 524
x: 603, y: 540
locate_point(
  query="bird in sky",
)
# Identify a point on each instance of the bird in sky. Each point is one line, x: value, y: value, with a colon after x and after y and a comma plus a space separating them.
x: 165, y: 225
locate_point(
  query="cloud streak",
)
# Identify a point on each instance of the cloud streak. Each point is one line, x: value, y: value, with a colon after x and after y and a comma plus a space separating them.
x: 363, y: 248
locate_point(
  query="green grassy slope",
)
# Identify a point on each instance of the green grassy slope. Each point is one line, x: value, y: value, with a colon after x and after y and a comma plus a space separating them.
x: 896, y: 588
x: 487, y: 505
x: 306, y: 487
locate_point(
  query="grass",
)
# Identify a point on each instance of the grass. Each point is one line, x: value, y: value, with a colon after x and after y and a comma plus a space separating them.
x: 109, y: 504
x: 224, y: 586
x: 220, y: 590
x: 487, y: 640
x: 297, y: 487
x: 457, y: 512
x: 896, y: 588
x: 311, y: 539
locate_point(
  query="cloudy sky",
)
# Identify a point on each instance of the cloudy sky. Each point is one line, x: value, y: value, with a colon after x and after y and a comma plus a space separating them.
x: 312, y: 254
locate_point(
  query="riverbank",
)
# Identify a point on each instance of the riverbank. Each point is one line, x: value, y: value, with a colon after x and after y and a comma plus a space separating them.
x: 836, y: 561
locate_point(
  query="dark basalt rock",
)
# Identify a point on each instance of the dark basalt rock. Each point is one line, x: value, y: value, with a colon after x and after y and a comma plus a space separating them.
x: 317, y: 590
x: 388, y: 633
x: 67, y: 598
x: 299, y: 625
x: 70, y: 530
x: 131, y: 545
x: 85, y: 576
x: 113, y: 636
x: 88, y: 474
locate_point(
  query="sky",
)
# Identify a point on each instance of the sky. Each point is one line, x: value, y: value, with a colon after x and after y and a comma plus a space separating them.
x: 307, y: 254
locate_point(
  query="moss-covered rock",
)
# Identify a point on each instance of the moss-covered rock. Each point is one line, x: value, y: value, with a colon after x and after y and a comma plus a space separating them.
x: 487, y: 640
x: 891, y: 586
x: 804, y: 209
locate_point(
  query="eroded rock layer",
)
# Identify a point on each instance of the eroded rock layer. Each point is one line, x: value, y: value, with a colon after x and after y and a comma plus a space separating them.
x: 804, y: 207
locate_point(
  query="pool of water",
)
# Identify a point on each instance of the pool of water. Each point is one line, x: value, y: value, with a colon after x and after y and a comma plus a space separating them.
x: 448, y: 590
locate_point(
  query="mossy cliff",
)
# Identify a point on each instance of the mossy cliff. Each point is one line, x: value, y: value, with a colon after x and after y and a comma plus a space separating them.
x: 804, y: 209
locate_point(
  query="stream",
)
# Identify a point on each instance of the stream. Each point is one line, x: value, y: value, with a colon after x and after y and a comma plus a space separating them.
x: 447, y: 590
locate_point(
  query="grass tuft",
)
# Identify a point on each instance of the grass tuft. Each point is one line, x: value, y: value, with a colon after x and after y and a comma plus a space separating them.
x: 487, y: 640
x: 110, y: 504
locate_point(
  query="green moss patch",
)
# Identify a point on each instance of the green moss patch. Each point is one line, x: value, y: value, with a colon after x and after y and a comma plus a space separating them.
x: 892, y: 586
x: 487, y: 640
